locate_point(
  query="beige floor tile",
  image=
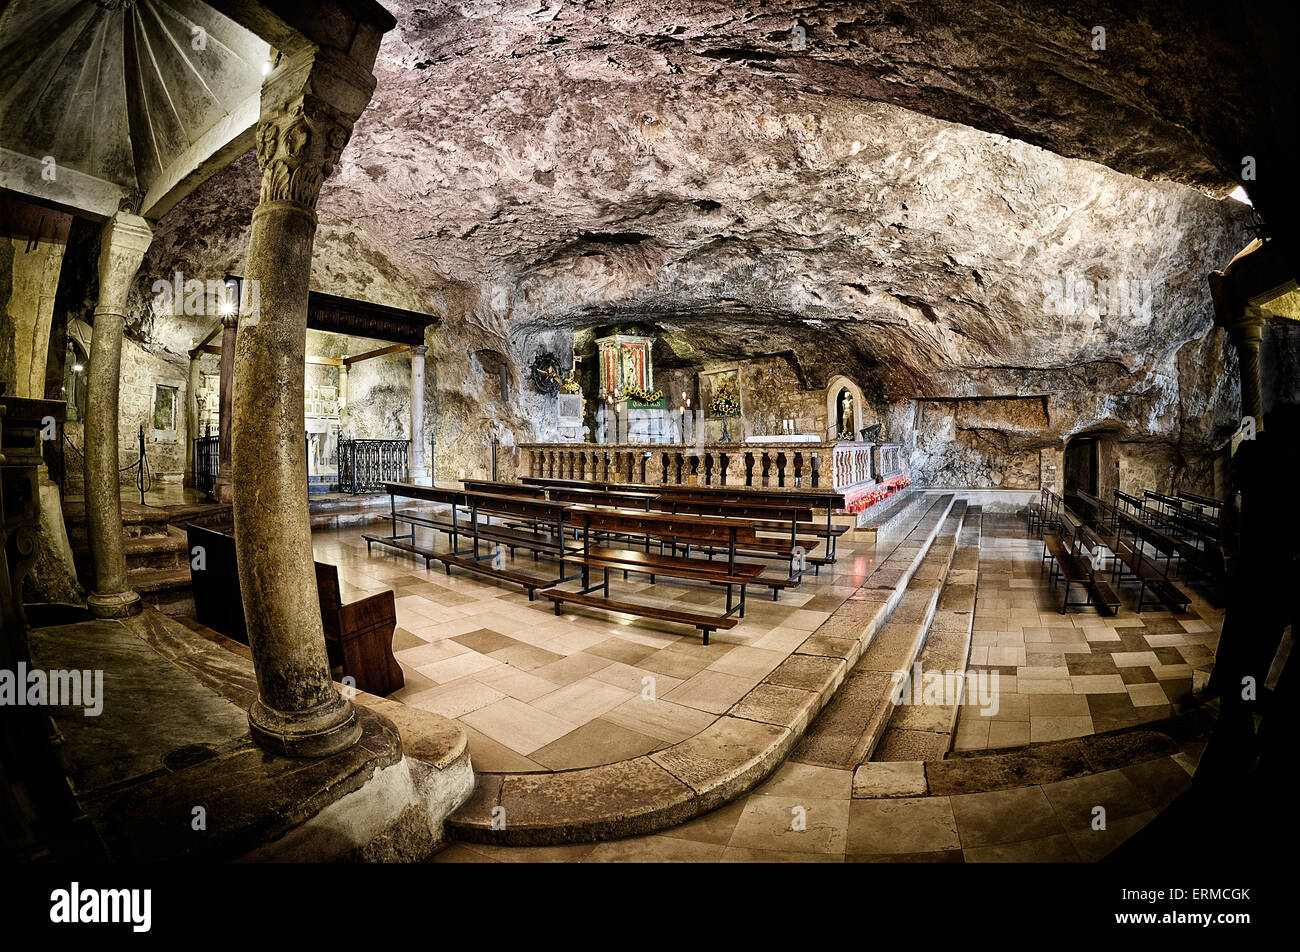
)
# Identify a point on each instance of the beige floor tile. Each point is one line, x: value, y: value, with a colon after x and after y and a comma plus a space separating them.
x: 582, y: 700
x: 1058, y: 728
x: 1044, y: 686
x: 793, y: 825
x: 659, y: 718
x: 460, y: 666
x: 1098, y: 684
x: 711, y: 691
x: 1147, y: 695
x: 793, y: 779
x: 905, y: 825
x: 517, y: 725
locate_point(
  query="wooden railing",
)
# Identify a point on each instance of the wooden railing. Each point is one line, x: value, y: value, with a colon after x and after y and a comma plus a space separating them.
x: 841, y: 466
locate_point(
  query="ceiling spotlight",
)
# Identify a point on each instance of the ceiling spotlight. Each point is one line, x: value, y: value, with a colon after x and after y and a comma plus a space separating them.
x: 226, y: 308
x: 77, y: 368
x: 266, y: 67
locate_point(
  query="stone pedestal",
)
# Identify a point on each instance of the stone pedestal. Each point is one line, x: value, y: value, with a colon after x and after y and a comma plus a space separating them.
x: 125, y: 239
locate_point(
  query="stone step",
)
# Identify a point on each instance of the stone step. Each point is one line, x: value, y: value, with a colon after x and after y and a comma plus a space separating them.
x: 898, y: 511
x: 925, y: 731
x: 167, y: 549
x: 716, y: 765
x: 167, y: 589
x: 848, y: 730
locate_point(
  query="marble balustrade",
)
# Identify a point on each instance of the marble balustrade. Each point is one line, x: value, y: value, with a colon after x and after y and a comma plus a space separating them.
x: 789, y: 466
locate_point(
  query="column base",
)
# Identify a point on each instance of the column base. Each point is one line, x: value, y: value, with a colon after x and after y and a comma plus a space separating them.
x: 114, y: 604
x: 223, y: 490
x: 328, y: 729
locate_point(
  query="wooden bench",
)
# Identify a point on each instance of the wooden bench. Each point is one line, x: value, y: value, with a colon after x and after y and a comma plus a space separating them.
x: 1144, y: 570
x: 1205, y: 502
x: 1034, y: 511
x: 1106, y: 598
x: 358, y: 635
x: 1065, y: 564
x: 628, y: 522
x: 830, y: 501
x: 650, y: 501
x: 765, y: 517
x: 1076, y: 555
x: 545, y: 538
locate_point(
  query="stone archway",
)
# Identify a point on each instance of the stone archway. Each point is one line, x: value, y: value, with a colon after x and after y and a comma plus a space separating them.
x: 838, y: 385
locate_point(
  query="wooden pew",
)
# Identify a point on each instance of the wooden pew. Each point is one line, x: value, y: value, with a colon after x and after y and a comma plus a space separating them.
x: 830, y: 501
x: 628, y: 522
x: 1146, y: 571
x: 1035, y: 510
x: 1075, y: 554
x: 358, y: 635
x: 770, y: 517
x: 544, y: 538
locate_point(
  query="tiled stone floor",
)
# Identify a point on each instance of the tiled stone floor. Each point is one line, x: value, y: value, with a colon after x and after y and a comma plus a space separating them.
x: 1079, y: 673
x: 1061, y: 676
x: 537, y: 692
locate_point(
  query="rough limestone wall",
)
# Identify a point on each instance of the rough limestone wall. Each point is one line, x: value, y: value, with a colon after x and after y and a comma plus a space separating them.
x: 770, y: 391
x: 379, y: 398
x: 981, y: 443
x: 141, y: 372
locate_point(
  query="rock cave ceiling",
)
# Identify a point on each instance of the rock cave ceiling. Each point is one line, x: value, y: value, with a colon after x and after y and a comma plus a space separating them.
x: 883, y: 200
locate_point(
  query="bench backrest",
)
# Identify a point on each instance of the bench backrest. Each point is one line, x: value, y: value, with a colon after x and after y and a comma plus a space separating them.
x: 813, y: 499
x: 497, y: 504
x: 600, y: 497
x: 450, y: 497
x: 659, y: 524
x: 327, y: 584
x: 503, y: 488
x: 1200, y: 500
x: 742, y: 510
x: 214, y: 579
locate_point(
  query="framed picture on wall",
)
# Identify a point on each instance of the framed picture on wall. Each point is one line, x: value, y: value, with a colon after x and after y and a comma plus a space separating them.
x: 165, y: 402
x: 710, y: 380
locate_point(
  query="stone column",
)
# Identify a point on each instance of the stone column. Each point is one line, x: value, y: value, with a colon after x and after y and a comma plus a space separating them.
x: 417, y: 412
x: 309, y: 103
x: 224, y: 489
x: 125, y: 239
x: 192, y: 412
x: 343, y: 398
x: 1246, y: 328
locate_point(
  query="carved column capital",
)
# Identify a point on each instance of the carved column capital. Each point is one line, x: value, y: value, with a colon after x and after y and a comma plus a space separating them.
x: 419, y: 350
x: 309, y: 105
x: 122, y: 245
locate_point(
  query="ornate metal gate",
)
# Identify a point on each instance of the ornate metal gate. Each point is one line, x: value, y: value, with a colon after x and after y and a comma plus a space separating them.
x: 366, y: 464
x: 207, y: 460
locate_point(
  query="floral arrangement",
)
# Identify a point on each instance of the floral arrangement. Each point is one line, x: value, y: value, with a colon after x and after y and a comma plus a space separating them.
x: 631, y: 391
x: 886, y: 489
x: 725, y: 403
x: 570, y: 384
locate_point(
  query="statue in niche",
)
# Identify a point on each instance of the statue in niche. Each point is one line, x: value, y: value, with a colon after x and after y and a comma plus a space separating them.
x: 844, y: 407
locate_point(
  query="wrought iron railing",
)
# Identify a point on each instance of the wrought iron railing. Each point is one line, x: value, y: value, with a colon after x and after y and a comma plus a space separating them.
x: 207, y: 461
x: 364, y: 465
